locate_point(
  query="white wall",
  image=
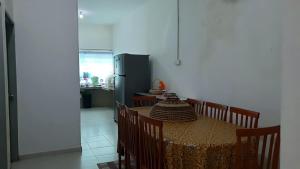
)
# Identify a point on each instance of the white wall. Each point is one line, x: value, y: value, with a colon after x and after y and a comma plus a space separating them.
x: 9, y: 7
x: 230, y: 50
x: 47, y: 70
x: 290, y: 139
x: 131, y: 34
x: 95, y: 36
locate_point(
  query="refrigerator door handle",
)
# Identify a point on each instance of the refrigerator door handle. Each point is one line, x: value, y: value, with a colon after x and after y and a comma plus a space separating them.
x: 119, y: 75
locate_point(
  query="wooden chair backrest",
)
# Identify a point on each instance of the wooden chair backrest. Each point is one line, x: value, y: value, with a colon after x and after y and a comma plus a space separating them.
x: 243, y: 117
x: 258, y: 148
x: 151, y: 143
x: 216, y: 111
x: 122, y: 115
x: 132, y: 133
x: 198, y: 105
x: 141, y: 101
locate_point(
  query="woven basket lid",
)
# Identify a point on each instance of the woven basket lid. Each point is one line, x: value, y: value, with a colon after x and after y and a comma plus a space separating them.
x: 173, y: 109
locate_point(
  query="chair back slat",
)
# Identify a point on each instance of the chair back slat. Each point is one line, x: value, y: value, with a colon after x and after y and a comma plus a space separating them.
x: 141, y: 101
x: 270, y: 151
x: 258, y: 148
x: 122, y: 132
x: 151, y: 143
x: 244, y: 118
x: 198, y: 105
x: 262, y: 159
x: 216, y: 111
x: 132, y: 142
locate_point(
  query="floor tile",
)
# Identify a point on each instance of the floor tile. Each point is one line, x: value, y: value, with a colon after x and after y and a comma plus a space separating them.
x: 99, y: 144
x: 104, y: 151
x: 85, y: 146
x: 97, y: 138
x: 87, y: 153
x: 107, y: 158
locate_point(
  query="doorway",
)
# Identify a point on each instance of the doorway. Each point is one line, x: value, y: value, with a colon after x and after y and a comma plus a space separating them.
x: 98, y: 130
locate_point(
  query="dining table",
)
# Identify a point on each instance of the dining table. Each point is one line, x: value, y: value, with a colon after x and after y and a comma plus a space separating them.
x: 205, y: 143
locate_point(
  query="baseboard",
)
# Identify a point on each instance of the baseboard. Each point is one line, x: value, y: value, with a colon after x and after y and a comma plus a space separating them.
x: 34, y: 155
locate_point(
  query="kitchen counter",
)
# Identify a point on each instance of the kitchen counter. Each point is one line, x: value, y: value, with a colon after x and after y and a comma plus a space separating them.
x: 158, y: 97
x: 83, y: 89
x: 98, y: 96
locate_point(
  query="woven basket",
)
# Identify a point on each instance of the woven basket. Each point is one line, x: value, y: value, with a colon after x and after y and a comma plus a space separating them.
x: 173, y: 110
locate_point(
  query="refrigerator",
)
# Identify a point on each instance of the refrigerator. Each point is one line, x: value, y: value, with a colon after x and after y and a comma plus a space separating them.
x: 132, y: 75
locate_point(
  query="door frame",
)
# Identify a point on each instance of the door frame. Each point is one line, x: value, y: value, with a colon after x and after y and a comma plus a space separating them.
x: 12, y: 87
x: 3, y: 95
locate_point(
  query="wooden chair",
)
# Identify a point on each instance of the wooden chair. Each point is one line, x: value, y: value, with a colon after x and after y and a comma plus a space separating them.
x: 216, y: 111
x: 244, y: 118
x: 122, y: 132
x: 141, y: 101
x: 198, y: 105
x: 151, y: 143
x: 132, y: 139
x: 258, y: 148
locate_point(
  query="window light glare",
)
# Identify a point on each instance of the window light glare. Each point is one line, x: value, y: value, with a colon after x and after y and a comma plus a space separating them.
x: 81, y: 16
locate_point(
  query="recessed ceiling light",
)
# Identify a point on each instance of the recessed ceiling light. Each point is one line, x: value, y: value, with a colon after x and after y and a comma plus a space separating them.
x: 81, y: 16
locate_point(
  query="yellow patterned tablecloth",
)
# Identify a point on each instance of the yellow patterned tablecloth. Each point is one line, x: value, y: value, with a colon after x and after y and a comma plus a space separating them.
x: 202, y: 144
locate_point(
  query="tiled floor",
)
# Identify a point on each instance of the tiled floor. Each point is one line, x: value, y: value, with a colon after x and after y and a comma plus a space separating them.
x: 99, y: 133
x: 99, y: 137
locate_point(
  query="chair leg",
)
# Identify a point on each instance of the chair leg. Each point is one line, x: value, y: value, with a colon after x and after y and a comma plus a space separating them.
x: 137, y: 163
x: 127, y: 161
x: 120, y: 161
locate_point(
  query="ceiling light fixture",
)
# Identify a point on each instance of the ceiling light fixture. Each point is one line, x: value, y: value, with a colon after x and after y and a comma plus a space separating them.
x: 81, y: 16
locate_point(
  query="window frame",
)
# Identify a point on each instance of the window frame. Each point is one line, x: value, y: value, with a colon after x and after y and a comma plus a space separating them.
x: 94, y: 51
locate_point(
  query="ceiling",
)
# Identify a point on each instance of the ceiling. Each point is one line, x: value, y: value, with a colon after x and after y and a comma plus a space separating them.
x: 106, y: 11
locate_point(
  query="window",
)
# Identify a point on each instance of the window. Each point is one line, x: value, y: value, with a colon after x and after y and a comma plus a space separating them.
x: 95, y: 67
